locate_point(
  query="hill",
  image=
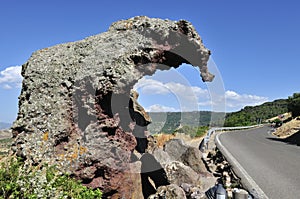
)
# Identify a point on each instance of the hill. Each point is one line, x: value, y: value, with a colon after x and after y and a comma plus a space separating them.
x: 256, y: 114
x: 168, y: 122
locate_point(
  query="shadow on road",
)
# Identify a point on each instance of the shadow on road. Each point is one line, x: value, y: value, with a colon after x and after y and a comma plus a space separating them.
x: 293, y: 139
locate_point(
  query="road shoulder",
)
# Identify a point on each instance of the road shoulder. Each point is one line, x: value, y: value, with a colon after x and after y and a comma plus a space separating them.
x: 246, y: 179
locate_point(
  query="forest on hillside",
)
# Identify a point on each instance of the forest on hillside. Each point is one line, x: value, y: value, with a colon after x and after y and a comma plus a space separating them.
x: 251, y: 115
x: 294, y: 104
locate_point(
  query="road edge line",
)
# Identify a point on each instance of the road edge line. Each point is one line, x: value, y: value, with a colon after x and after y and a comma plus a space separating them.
x: 246, y: 179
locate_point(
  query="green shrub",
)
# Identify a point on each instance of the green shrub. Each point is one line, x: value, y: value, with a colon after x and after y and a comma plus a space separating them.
x: 42, y: 181
x: 277, y: 122
x: 201, y: 131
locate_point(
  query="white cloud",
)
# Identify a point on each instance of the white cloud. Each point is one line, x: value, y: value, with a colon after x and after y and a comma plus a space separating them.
x: 160, y: 108
x: 235, y: 101
x: 193, y: 98
x: 188, y: 97
x: 7, y: 87
x: 11, y: 77
x: 185, y: 94
x: 151, y: 86
x: 231, y: 95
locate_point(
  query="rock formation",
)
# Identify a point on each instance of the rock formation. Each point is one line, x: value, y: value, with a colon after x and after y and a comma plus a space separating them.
x: 184, y: 167
x: 73, y: 107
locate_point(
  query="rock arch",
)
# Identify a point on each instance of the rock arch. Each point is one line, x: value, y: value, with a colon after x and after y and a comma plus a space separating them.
x: 77, y: 93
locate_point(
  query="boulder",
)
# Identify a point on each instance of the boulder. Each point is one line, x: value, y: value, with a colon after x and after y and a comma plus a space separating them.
x: 179, y: 173
x: 193, y: 158
x: 175, y: 148
x: 162, y: 157
x: 171, y: 191
x: 73, y: 107
x: 190, y: 156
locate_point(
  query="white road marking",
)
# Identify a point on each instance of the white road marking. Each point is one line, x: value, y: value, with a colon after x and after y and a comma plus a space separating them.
x: 246, y: 176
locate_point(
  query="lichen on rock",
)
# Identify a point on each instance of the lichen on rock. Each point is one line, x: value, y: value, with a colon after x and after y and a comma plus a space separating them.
x: 78, y: 94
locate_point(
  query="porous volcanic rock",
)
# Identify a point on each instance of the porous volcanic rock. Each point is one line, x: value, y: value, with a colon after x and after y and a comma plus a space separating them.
x: 188, y: 155
x: 179, y: 173
x: 73, y: 107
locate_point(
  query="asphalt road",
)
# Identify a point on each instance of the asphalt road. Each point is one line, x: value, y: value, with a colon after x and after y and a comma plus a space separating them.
x: 274, y: 165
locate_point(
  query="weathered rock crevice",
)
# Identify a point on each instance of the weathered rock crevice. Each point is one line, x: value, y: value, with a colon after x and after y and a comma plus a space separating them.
x: 74, y: 108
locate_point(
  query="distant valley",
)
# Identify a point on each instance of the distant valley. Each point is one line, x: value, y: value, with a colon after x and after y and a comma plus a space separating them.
x: 168, y: 122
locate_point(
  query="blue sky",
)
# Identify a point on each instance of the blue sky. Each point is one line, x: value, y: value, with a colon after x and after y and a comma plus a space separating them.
x: 255, y: 47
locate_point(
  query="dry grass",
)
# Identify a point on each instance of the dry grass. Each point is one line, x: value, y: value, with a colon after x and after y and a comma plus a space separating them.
x: 161, y: 139
x: 288, y: 128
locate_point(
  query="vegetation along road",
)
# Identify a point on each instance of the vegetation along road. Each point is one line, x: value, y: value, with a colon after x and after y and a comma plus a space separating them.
x: 272, y: 163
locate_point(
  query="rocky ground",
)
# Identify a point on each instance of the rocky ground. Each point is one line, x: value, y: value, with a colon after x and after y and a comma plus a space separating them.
x: 222, y: 170
x: 190, y: 173
x: 177, y: 155
x: 216, y: 168
x: 185, y: 170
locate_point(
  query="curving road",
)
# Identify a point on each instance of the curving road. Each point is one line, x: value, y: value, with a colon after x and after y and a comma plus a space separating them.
x: 273, y: 165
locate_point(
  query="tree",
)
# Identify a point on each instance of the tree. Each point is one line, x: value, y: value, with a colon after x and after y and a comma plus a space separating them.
x: 294, y: 104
